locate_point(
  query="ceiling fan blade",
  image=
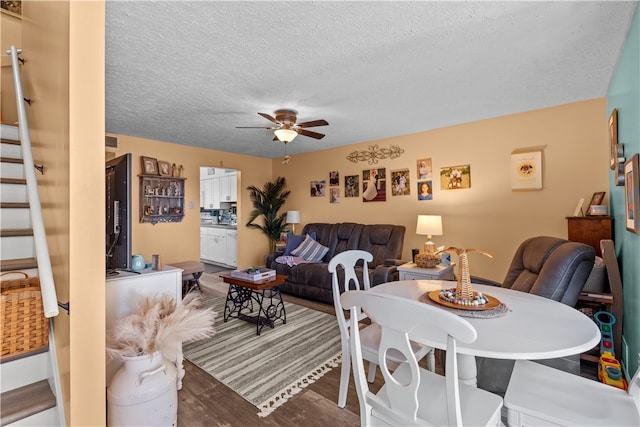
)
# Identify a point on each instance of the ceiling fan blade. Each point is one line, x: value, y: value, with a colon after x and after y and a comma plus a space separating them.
x: 312, y: 123
x: 268, y: 117
x: 254, y: 127
x: 311, y: 134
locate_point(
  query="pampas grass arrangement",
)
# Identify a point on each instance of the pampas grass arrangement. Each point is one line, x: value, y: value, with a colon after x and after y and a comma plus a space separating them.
x: 160, y: 324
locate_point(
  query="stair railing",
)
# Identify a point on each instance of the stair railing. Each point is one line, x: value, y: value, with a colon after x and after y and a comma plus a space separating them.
x: 47, y: 286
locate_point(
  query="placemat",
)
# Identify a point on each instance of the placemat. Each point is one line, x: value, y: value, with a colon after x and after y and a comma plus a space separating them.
x: 500, y: 310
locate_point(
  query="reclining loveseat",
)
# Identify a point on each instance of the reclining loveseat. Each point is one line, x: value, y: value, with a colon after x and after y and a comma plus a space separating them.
x: 312, y: 280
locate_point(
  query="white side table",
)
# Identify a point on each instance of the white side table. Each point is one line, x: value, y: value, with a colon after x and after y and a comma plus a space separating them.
x: 410, y: 271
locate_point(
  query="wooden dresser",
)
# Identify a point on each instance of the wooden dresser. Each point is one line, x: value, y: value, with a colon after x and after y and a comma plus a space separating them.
x: 590, y: 230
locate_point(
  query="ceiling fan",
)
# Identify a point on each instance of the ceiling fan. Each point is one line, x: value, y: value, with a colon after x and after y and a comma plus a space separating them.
x: 286, y: 128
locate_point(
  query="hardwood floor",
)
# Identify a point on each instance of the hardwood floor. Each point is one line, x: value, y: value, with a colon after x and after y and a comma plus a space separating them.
x: 204, y: 401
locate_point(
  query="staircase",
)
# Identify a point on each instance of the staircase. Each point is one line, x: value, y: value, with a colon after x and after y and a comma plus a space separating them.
x: 27, y: 381
x: 30, y: 391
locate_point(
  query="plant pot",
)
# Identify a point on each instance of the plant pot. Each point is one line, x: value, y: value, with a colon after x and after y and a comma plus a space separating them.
x: 143, y: 392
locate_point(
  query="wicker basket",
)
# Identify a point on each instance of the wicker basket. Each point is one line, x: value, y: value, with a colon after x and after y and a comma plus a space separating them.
x: 424, y: 260
x: 24, y: 326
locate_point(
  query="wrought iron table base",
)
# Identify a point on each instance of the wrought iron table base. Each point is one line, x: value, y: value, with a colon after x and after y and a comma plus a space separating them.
x: 269, y: 303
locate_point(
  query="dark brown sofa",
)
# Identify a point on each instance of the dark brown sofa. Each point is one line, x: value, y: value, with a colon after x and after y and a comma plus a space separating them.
x: 313, y: 281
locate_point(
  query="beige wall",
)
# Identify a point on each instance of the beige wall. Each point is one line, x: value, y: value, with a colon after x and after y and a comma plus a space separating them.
x: 64, y: 76
x: 181, y: 241
x: 10, y: 35
x: 489, y: 214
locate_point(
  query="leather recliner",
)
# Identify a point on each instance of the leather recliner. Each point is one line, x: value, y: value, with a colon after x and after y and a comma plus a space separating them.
x: 553, y: 268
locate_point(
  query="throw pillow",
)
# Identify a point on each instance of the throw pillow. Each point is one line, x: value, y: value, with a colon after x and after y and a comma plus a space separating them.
x: 294, y: 241
x: 310, y: 250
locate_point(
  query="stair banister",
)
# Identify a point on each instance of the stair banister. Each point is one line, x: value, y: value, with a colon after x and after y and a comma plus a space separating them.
x: 47, y: 286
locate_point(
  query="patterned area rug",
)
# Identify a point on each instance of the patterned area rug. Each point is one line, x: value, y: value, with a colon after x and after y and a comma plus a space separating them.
x: 267, y: 370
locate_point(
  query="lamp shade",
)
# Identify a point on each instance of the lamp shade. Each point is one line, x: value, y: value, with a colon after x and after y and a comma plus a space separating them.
x: 429, y: 225
x: 285, y: 135
x: 293, y: 217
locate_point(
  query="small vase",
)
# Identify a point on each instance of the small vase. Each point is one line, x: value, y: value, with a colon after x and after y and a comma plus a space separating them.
x: 137, y: 262
x: 143, y: 392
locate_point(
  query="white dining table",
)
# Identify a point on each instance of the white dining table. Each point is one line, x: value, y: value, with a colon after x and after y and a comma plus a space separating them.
x: 533, y: 327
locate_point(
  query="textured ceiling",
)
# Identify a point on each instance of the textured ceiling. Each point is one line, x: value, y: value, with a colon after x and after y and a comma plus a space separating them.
x: 190, y: 72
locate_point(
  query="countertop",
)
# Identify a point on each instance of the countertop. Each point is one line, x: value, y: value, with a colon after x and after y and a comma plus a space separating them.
x: 225, y: 226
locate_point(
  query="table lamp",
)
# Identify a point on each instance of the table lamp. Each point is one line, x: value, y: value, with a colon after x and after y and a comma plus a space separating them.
x: 293, y: 218
x: 429, y: 225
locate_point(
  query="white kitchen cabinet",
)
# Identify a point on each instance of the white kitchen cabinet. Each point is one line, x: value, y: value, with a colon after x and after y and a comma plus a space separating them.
x: 218, y: 245
x: 212, y: 193
x: 232, y: 248
x: 215, y: 192
x: 233, y: 190
x: 225, y: 188
x: 228, y: 188
x: 208, y: 193
x: 204, y: 243
x: 218, y: 188
x: 202, y: 193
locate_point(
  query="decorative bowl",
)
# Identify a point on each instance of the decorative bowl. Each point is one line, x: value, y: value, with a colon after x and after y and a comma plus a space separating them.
x: 424, y: 260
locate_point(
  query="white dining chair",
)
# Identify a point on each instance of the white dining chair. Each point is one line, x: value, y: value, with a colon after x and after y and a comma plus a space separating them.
x: 412, y: 395
x: 540, y: 395
x: 370, y: 334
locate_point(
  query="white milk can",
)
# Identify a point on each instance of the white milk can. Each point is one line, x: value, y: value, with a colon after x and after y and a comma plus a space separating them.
x: 143, y: 392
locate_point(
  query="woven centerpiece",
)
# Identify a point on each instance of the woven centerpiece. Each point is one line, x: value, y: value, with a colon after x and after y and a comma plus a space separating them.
x: 463, y: 288
x: 463, y: 294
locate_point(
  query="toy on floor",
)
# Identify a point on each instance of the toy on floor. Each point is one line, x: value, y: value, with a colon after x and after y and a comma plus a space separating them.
x: 609, y: 371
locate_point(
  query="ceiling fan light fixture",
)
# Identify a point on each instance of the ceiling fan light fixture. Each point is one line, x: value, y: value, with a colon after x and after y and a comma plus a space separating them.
x: 285, y: 135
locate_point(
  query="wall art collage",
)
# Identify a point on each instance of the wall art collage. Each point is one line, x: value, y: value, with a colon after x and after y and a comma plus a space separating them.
x: 376, y: 182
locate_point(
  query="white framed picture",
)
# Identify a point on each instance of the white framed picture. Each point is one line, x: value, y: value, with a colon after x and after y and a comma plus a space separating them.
x: 526, y: 170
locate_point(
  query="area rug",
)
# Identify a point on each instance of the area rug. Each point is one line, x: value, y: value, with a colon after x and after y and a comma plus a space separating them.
x: 268, y: 369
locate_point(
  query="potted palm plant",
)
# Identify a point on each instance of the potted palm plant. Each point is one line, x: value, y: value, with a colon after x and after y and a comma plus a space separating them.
x: 267, y: 202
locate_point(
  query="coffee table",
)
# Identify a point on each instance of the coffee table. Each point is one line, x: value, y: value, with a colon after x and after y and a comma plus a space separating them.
x: 265, y: 293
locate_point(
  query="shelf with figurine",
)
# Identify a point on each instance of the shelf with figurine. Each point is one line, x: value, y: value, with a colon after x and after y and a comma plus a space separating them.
x: 161, y: 199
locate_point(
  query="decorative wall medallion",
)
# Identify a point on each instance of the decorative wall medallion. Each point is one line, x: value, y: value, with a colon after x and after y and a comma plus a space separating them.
x: 374, y: 154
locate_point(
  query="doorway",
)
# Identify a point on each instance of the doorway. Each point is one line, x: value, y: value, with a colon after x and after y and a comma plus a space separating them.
x: 218, y: 216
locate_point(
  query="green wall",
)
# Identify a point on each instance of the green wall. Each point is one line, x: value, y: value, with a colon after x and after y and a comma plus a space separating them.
x: 624, y: 94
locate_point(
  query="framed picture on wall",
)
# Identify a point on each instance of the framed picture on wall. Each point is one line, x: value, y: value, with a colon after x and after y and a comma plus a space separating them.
x: 455, y: 177
x: 526, y: 170
x: 632, y: 194
x: 318, y: 188
x: 12, y: 7
x: 401, y: 182
x: 352, y: 186
x: 613, y: 139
